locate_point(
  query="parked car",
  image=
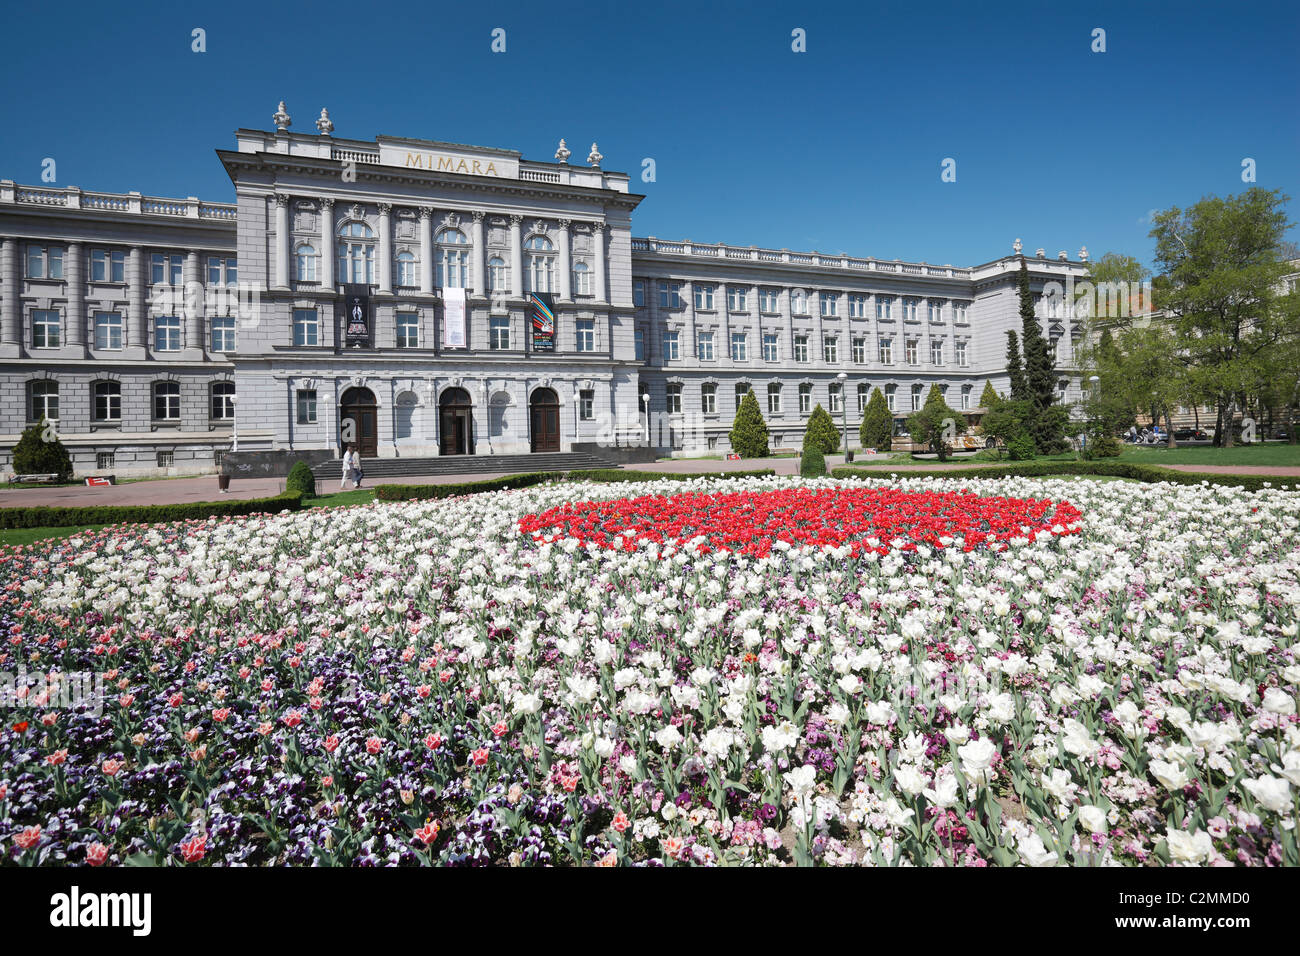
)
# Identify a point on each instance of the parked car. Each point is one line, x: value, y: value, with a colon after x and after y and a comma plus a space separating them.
x: 1190, y: 434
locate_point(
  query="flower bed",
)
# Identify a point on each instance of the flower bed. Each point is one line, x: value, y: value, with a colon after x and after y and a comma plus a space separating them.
x: 426, y: 682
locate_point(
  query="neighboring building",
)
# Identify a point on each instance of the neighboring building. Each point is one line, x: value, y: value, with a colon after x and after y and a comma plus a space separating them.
x: 161, y: 334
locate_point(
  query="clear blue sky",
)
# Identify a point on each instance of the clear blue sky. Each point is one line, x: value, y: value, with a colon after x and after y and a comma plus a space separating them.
x: 836, y: 149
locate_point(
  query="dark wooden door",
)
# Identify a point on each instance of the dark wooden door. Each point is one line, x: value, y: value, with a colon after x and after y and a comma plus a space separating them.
x: 544, y: 424
x: 365, y: 429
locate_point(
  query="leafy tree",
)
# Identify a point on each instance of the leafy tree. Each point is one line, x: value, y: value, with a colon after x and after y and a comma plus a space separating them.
x: 821, y: 431
x: 39, y: 452
x: 748, y: 434
x: 1008, y: 421
x: 1016, y: 368
x: 877, y: 423
x: 989, y: 396
x: 935, y: 425
x: 301, y: 480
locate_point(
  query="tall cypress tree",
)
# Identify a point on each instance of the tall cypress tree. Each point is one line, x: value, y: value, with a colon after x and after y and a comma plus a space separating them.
x: 1019, y: 387
x: 1040, y: 376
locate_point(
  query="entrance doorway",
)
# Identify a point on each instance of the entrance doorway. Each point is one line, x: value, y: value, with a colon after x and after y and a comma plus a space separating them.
x: 358, y: 421
x: 455, y: 423
x: 544, y: 416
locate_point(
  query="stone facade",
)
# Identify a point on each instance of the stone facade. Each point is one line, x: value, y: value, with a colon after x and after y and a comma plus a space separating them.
x: 173, y: 331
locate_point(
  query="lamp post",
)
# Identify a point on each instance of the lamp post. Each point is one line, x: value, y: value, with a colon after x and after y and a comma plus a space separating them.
x: 645, y: 407
x: 844, y: 411
x: 234, y: 422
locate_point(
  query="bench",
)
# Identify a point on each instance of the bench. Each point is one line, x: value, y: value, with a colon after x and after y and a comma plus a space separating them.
x: 33, y: 479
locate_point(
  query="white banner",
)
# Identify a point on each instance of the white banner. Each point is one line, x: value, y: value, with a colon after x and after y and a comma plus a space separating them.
x: 453, y: 318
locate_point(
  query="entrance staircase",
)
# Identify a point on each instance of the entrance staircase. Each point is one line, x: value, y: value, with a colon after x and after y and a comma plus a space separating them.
x: 379, y: 470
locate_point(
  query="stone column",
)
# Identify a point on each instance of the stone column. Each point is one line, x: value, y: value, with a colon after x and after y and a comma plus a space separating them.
x: 516, y: 256
x: 193, y: 306
x: 566, y: 263
x: 137, y: 307
x: 688, y: 337
x: 426, y: 250
x: 385, y: 248
x: 787, y: 319
x: 74, y: 323
x: 11, y: 322
x: 724, y: 324
x: 598, y: 244
x: 327, y: 245
x: 477, y: 255
x: 282, y: 241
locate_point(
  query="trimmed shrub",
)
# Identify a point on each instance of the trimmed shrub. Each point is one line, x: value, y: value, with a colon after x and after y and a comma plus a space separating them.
x: 35, y: 455
x: 877, y: 428
x: 44, y: 517
x: 813, y: 463
x: 1148, y: 474
x: 301, y: 480
x: 821, y: 431
x: 748, y: 435
x: 1020, y: 447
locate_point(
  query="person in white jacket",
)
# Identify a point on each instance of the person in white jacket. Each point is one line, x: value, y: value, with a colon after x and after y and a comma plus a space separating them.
x: 350, y: 464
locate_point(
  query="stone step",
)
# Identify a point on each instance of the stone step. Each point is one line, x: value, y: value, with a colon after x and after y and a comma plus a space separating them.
x: 379, y: 468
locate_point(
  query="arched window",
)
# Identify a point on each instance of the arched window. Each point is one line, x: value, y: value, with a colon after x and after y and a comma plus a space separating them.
x: 44, y: 403
x: 498, y: 275
x: 167, y: 401
x: 223, y: 406
x: 581, y: 278
x: 406, y: 269
x: 306, y: 262
x: 540, y: 267
x: 453, y: 259
x: 356, y: 253
x: 108, y: 402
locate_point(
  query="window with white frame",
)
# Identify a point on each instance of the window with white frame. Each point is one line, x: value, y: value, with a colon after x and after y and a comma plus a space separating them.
x: 910, y: 310
x: 406, y: 277
x: 587, y: 405
x: 44, y: 262
x: 965, y: 397
x: 961, y: 312
x: 709, y: 398
x: 890, y: 390
x: 799, y: 302
x: 805, y: 398
x: 737, y: 298
x: 959, y: 352
x: 222, y: 401
x: 43, y: 403
x: 107, y: 265
x: 223, y: 333
x: 774, y: 398
x: 936, y: 310
x: 45, y: 329
x: 911, y: 351
x: 167, y: 401
x: 104, y: 459
x: 539, y: 268
x: 739, y: 347
x: 165, y: 459
x: 829, y: 303
x: 223, y: 270
x: 916, y: 397
x: 830, y: 349
x: 769, y: 301
x: 836, y: 393
x: 582, y: 284
x: 884, y: 307
x: 638, y: 293
x: 108, y: 401
x: 453, y: 260
x: 769, y: 347
x: 670, y: 343
x: 704, y: 297
x: 670, y: 295
x: 857, y: 306
x: 306, y: 327
x: 498, y: 275
x: 860, y: 350
x: 108, y: 330
x: 499, y: 332
x: 306, y: 406
x: 801, y: 348
x: 936, y: 351
x: 705, y: 343
x: 864, y: 392
x: 356, y: 253
x: 586, y: 331
x: 673, y: 398
x: 167, y: 333
x: 166, y: 268
x: 306, y: 259
x: 886, y: 349
x: 408, y: 330
x: 742, y: 389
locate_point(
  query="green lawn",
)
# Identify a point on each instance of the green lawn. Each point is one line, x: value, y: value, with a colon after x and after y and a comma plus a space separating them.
x: 30, y: 535
x: 1273, y: 453
x: 358, y: 496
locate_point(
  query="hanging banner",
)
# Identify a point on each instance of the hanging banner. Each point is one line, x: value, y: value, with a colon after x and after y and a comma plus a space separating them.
x: 453, y: 318
x: 541, y: 311
x: 356, y: 315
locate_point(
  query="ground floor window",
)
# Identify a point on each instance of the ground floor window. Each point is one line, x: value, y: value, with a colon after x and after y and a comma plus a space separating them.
x: 587, y: 405
x: 306, y: 406
x: 104, y: 459
x: 166, y: 459
x: 223, y: 401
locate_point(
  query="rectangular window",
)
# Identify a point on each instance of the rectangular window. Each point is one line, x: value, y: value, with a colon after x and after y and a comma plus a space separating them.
x: 859, y: 351
x: 638, y: 292
x: 704, y: 297
x: 805, y: 399
x: 739, y: 347
x: 737, y: 299
x: 863, y: 391
x: 836, y: 393
x: 830, y: 350
x: 742, y: 389
x: 306, y: 406
x: 408, y: 329
x: 709, y: 399
x: 916, y: 398
x: 965, y: 397
x: 936, y: 310
x: 223, y: 333
x: 959, y: 348
x: 774, y: 399
x: 889, y: 396
x: 306, y: 329
x: 936, y: 351
x: 769, y: 347
x: 671, y: 351
x: 961, y: 312
x: 587, y: 405
x: 886, y: 351
x: 673, y: 398
x: 167, y: 333
x: 884, y: 307
x: 857, y: 306
x: 45, y: 329
x: 166, y: 459
x: 670, y: 295
x: 107, y: 266
x: 768, y: 301
x: 798, y: 302
x: 705, y: 346
x: 108, y: 330
x: 222, y: 271
x: 801, y: 348
x: 586, y: 329
x: 911, y: 352
x: 166, y: 269
x: 830, y: 303
x: 167, y: 401
x: 909, y: 310
x: 499, y: 332
x: 639, y: 343
x: 104, y: 459
x: 44, y: 262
